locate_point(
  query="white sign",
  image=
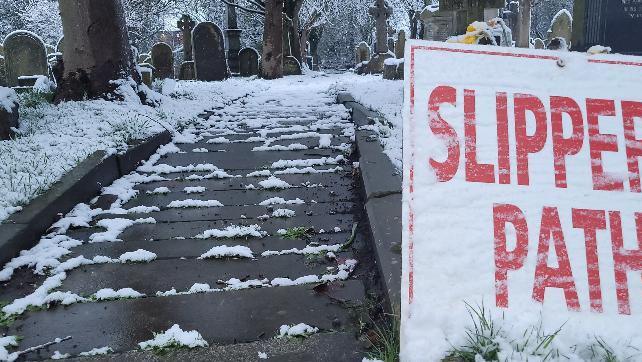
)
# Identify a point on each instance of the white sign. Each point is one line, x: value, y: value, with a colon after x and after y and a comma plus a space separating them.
x: 522, y: 198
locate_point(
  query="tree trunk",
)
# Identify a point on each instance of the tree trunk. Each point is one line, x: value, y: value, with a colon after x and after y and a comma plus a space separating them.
x: 97, y: 49
x: 272, y: 57
x: 524, y: 24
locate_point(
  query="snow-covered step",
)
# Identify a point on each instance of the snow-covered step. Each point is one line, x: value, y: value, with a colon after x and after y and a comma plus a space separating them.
x: 221, y: 318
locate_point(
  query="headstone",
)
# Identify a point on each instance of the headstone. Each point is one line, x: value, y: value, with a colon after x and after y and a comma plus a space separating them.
x: 2, y: 50
x: 475, y: 10
x: 291, y: 65
x: 25, y: 55
x: 362, y: 52
x: 613, y: 23
x: 511, y: 17
x: 400, y: 45
x: 146, y: 75
x: 380, y: 11
x: 539, y: 44
x: 441, y: 25
x: 233, y: 38
x: 561, y: 27
x: 60, y: 45
x: 8, y: 112
x: 249, y: 62
x: 209, y: 52
x: 558, y: 44
x: 186, y: 24
x: 391, y: 45
x: 187, y: 71
x: 163, y: 60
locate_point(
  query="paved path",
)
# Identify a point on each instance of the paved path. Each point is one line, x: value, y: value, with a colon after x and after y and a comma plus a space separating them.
x: 246, y: 300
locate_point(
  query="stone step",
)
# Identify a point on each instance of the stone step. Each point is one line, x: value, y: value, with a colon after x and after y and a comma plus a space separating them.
x: 221, y: 318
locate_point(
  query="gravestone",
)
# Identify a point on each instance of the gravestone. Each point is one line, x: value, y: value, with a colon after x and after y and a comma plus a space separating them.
x: 8, y: 113
x: 60, y: 45
x: 561, y: 27
x: 539, y: 44
x: 248, y: 62
x: 233, y: 38
x: 25, y: 55
x: 147, y: 74
x: 613, y: 23
x: 209, y: 52
x: 186, y: 24
x: 400, y: 45
x: 163, y: 60
x: 50, y: 49
x: 362, y: 52
x: 511, y: 18
x: 2, y: 50
x: 187, y: 71
x: 380, y: 11
x: 441, y: 25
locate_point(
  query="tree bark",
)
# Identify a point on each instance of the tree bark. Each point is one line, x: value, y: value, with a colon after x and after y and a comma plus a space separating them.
x: 272, y: 57
x: 97, y: 49
x: 524, y: 23
x: 292, y: 10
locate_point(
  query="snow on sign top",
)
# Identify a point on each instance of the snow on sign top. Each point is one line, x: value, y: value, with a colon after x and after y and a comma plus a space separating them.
x: 522, y: 198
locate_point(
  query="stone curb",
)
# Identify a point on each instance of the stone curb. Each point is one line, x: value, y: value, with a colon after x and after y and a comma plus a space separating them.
x: 382, y: 188
x: 24, y: 229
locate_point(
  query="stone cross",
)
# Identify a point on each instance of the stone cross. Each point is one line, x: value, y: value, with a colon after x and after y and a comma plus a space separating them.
x: 186, y: 24
x: 381, y: 11
x: 231, y: 16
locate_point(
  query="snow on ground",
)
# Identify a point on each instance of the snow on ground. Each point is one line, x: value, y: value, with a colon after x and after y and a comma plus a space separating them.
x: 174, y: 337
x: 223, y: 251
x: 297, y: 330
x: 54, y: 139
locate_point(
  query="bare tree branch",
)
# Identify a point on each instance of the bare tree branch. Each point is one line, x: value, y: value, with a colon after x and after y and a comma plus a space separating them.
x: 241, y: 7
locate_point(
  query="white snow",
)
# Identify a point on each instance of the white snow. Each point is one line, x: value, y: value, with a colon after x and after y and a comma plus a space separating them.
x: 138, y: 256
x: 97, y: 351
x: 228, y: 251
x: 194, y: 203
x: 274, y: 183
x: 8, y: 98
x: 306, y: 170
x: 262, y: 355
x: 160, y: 190
x: 58, y: 355
x: 310, y: 249
x: 291, y: 147
x: 200, y: 150
x: 114, y: 228
x: 124, y: 293
x: 281, y: 201
x: 283, y: 213
x: 262, y: 173
x: 194, y: 189
x: 297, y: 330
x: 233, y: 231
x: 175, y: 336
x: 4, y: 343
x: 309, y: 162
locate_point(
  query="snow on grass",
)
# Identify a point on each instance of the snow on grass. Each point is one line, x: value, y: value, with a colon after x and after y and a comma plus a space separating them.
x: 177, y: 204
x: 174, y: 337
x: 281, y: 201
x: 160, y: 191
x: 97, y: 352
x: 233, y: 231
x: 309, y: 162
x: 57, y: 355
x: 37, y: 298
x: 223, y: 251
x: 194, y: 189
x: 306, y: 170
x: 138, y: 256
x: 310, y: 249
x: 274, y: 183
x: 41, y: 257
x: 110, y: 294
x: 8, y: 341
x: 343, y: 273
x: 165, y: 168
x: 297, y: 330
x: 283, y: 213
x: 114, y: 228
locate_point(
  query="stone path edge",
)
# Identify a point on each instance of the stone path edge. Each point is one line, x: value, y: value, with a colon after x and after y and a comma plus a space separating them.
x: 24, y: 229
x: 382, y: 188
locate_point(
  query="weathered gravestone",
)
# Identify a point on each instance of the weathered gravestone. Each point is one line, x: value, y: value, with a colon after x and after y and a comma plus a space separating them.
x: 511, y: 17
x: 187, y: 72
x: 539, y: 44
x: 8, y: 112
x: 233, y: 38
x: 440, y: 25
x: 400, y: 45
x: 380, y: 11
x: 2, y: 50
x: 248, y: 62
x: 25, y: 55
x: 561, y: 27
x: 362, y: 52
x: 613, y: 23
x: 163, y: 60
x: 209, y: 52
